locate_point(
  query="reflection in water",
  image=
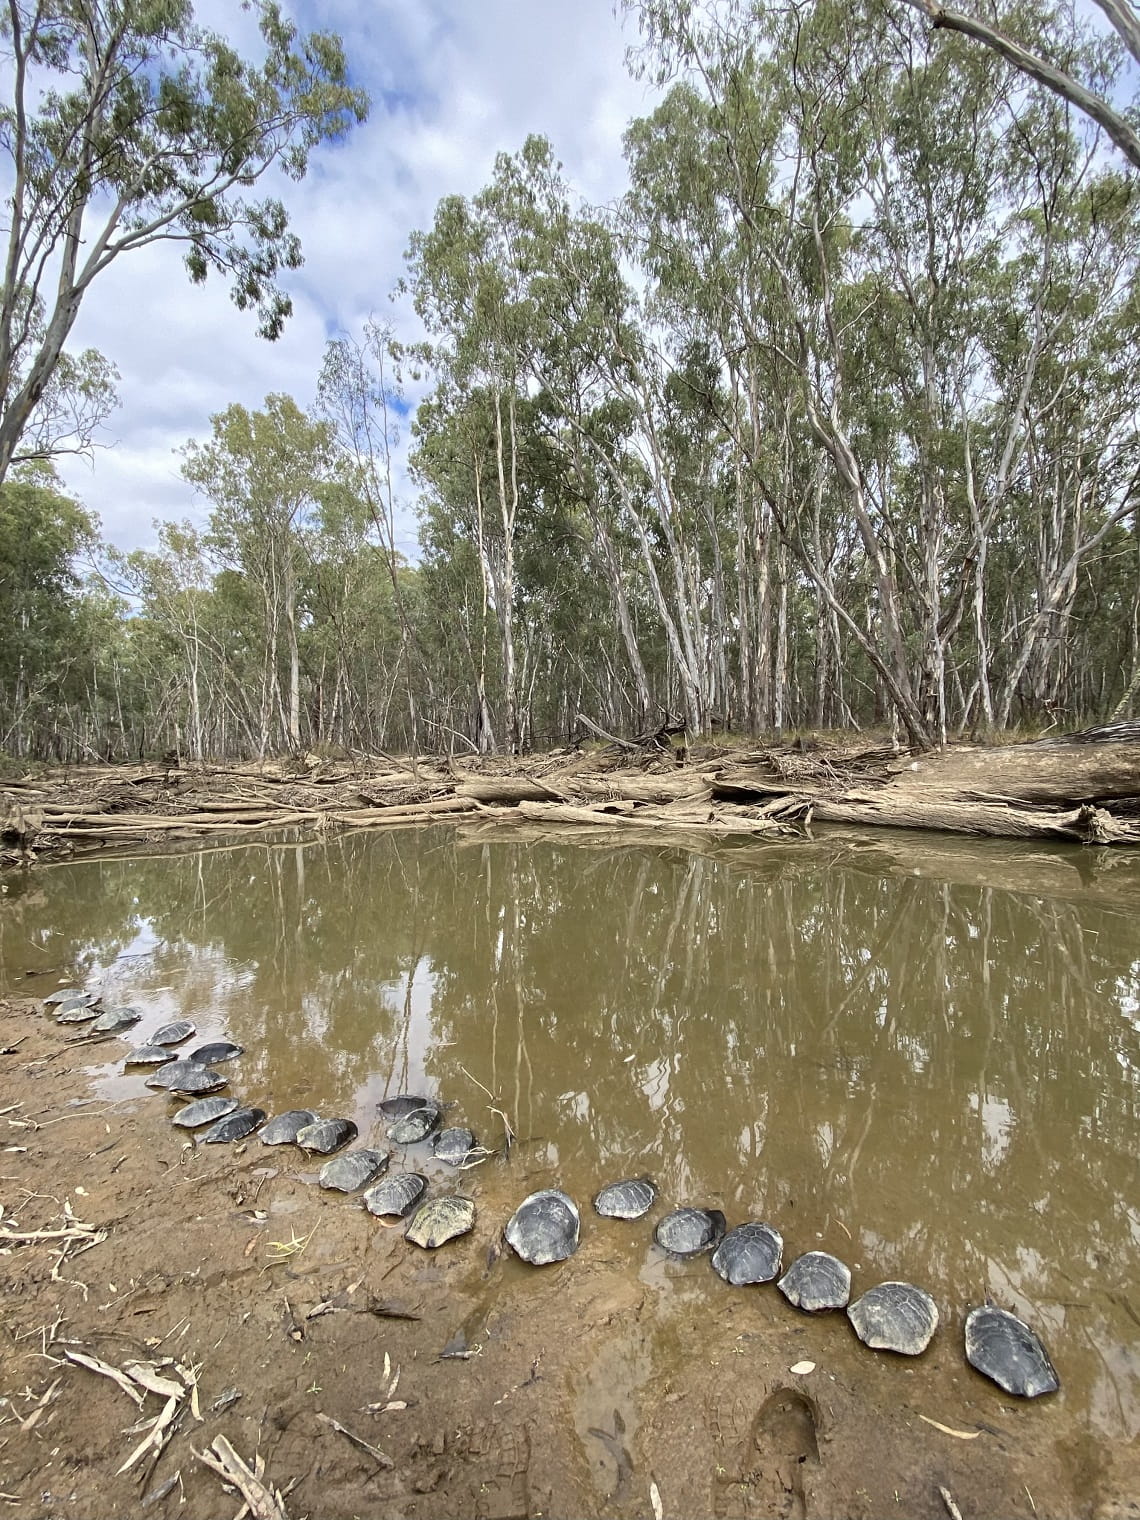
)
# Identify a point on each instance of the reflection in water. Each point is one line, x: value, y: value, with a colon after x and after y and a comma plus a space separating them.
x: 939, y: 1081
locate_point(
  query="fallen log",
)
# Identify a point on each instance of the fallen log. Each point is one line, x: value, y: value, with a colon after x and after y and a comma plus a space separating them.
x: 1063, y: 774
x: 644, y: 818
x: 894, y: 808
x: 508, y: 790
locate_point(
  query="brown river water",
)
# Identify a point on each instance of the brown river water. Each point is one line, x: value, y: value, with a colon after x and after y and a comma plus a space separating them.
x: 921, y: 1055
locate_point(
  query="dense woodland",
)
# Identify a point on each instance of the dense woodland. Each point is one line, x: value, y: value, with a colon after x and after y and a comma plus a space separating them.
x: 830, y: 421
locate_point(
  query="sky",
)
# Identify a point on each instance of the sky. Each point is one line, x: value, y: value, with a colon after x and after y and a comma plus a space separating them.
x: 453, y: 82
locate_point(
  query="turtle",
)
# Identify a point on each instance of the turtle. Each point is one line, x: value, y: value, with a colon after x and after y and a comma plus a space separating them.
x: 626, y: 1200
x: 440, y: 1220
x: 544, y: 1228
x: 69, y: 995
x: 282, y: 1130
x: 173, y: 1034
x: 204, y: 1111
x: 816, y: 1281
x: 326, y: 1135
x: 417, y: 1124
x: 76, y: 1013
x: 396, y: 1194
x: 749, y: 1254
x: 186, y: 1077
x: 215, y: 1051
x: 355, y: 1169
x: 114, y: 1018
x: 1004, y: 1348
x: 895, y: 1316
x: 453, y: 1146
x: 235, y: 1126
x: 688, y: 1232
x: 401, y: 1105
x: 147, y: 1055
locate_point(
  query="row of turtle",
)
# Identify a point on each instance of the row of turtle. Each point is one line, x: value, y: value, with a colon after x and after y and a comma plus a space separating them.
x: 546, y: 1227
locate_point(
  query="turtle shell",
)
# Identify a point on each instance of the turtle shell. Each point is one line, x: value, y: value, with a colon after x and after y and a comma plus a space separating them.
x: 69, y: 995
x: 147, y: 1055
x: 396, y: 1194
x: 402, y: 1105
x: 77, y: 1011
x: 1004, y: 1348
x: 688, y: 1232
x: 117, y: 1017
x: 895, y: 1316
x: 816, y: 1281
x: 326, y: 1135
x: 186, y: 1077
x: 204, y: 1111
x: 749, y: 1254
x: 440, y: 1220
x: 215, y: 1051
x: 235, y: 1126
x: 453, y: 1146
x: 626, y: 1200
x: 173, y: 1034
x: 544, y: 1228
x: 355, y: 1169
x: 417, y: 1124
x: 283, y: 1129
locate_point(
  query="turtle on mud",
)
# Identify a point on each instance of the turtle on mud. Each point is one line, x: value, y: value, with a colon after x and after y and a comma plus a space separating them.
x: 626, y: 1200
x: 114, y: 1018
x: 326, y: 1135
x: 186, y: 1077
x: 453, y: 1145
x: 816, y: 1281
x: 216, y: 1051
x: 544, y: 1228
x: 395, y: 1195
x: 688, y: 1232
x: 440, y: 1220
x: 147, y: 1055
x: 1004, y: 1348
x: 415, y: 1118
x: 173, y: 1034
x: 355, y: 1169
x: 69, y: 995
x: 77, y: 1013
x: 751, y: 1253
x: 204, y: 1111
x: 282, y: 1130
x: 895, y: 1316
x: 235, y: 1126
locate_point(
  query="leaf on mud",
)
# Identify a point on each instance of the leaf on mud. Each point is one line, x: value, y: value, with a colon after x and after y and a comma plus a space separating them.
x: 655, y: 1500
x: 803, y: 1368
x: 948, y: 1430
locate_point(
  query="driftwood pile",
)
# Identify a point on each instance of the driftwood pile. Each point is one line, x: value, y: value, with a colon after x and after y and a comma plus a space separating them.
x: 1085, y: 788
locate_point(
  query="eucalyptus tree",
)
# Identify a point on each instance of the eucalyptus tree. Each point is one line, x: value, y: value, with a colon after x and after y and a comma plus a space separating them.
x: 126, y: 124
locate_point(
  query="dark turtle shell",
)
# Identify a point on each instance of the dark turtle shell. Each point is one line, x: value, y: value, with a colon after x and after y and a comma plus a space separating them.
x: 402, y: 1105
x: 204, y: 1111
x: 544, y: 1228
x: 235, y: 1126
x: 173, y: 1034
x: 749, y: 1254
x: 895, y: 1316
x: 79, y: 1012
x: 147, y: 1055
x: 326, y: 1135
x: 816, y: 1281
x: 70, y: 995
x: 1004, y: 1348
x: 396, y: 1194
x: 186, y: 1077
x: 114, y: 1018
x: 355, y: 1169
x: 440, y: 1220
x: 687, y: 1232
x: 417, y: 1124
x: 453, y: 1146
x: 626, y: 1200
x: 283, y: 1129
x: 215, y: 1051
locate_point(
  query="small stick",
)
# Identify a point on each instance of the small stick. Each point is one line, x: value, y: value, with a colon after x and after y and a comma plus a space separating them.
x: 373, y: 1451
x: 263, y: 1502
x: 93, y: 1364
x: 948, y: 1499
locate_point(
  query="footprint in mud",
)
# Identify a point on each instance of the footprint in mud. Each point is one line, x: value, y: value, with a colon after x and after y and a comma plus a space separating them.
x: 616, y: 1448
x: 781, y: 1442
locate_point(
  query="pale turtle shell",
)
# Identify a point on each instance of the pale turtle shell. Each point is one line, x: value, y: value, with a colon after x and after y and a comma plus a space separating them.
x: 440, y: 1220
x: 283, y: 1129
x: 204, y: 1111
x: 235, y: 1126
x: 626, y: 1200
x: 117, y: 1017
x: 147, y: 1055
x: 1004, y: 1348
x: 395, y: 1195
x: 186, y: 1077
x: 687, y: 1232
x: 173, y: 1034
x: 544, y: 1228
x: 69, y: 995
x: 895, y: 1316
x: 816, y: 1281
x: 355, y: 1169
x: 326, y: 1135
x: 417, y: 1124
x: 749, y: 1254
x: 80, y: 1012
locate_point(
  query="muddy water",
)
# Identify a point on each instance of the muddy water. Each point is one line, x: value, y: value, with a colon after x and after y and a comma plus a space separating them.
x: 936, y: 1077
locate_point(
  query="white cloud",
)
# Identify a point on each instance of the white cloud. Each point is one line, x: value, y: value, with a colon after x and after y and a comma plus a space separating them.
x: 453, y: 84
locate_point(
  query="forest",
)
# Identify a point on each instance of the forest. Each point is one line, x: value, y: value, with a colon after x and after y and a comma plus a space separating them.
x: 830, y: 421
